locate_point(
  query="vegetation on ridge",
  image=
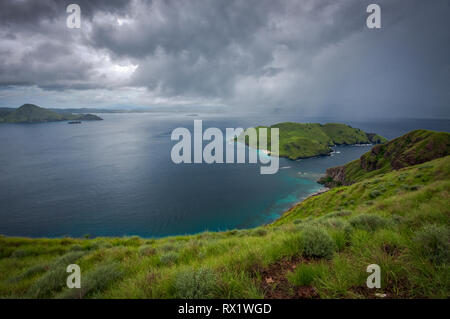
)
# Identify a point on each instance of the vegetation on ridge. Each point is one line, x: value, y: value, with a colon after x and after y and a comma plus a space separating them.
x: 413, y: 148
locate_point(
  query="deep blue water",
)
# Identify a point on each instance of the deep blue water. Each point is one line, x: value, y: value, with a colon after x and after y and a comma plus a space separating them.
x: 116, y: 177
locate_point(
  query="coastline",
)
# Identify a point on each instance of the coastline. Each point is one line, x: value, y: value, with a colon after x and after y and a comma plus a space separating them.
x: 316, y: 193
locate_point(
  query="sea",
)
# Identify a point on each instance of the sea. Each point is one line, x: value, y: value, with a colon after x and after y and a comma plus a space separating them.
x: 116, y: 177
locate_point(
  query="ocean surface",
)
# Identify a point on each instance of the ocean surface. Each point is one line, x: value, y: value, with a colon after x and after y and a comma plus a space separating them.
x: 116, y: 177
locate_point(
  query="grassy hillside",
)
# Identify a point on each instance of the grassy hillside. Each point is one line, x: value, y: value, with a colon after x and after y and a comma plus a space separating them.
x: 298, y: 140
x: 318, y: 249
x: 412, y: 148
x: 30, y: 113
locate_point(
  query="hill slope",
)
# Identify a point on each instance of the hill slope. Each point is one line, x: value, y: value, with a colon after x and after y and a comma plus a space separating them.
x: 410, y: 149
x: 299, y: 140
x: 30, y: 113
x: 319, y: 248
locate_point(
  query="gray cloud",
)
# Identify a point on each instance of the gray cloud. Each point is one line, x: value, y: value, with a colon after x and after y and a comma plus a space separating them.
x: 310, y: 56
x: 28, y: 13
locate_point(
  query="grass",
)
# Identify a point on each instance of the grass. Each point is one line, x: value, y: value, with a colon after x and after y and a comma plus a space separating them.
x: 330, y: 239
x: 303, y: 140
x: 369, y: 222
x: 95, y: 281
x: 307, y: 274
x: 433, y: 242
x: 413, y: 148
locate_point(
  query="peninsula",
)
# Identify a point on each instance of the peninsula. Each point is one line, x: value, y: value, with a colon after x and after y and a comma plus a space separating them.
x: 413, y: 148
x: 30, y: 113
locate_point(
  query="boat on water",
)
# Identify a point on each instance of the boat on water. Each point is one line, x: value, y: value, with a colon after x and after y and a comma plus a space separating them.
x: 74, y: 122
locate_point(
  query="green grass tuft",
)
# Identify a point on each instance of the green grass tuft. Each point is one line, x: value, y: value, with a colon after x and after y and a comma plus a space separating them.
x: 369, y: 222
x: 434, y: 243
x: 306, y: 274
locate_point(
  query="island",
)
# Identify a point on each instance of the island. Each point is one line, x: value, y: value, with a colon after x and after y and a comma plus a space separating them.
x: 30, y: 113
x: 304, y: 140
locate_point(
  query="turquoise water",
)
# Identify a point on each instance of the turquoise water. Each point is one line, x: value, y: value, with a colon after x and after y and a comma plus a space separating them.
x: 116, y: 177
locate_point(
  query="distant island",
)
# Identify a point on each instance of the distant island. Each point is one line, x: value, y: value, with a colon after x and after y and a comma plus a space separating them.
x: 304, y: 140
x: 30, y: 113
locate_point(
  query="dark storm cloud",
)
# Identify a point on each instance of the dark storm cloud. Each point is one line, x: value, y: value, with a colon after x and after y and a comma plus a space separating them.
x: 312, y: 56
x: 38, y: 49
x: 17, y: 13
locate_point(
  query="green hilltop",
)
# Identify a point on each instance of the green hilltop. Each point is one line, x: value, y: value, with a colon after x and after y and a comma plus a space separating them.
x: 30, y: 113
x: 413, y: 148
x: 320, y: 248
x: 303, y: 140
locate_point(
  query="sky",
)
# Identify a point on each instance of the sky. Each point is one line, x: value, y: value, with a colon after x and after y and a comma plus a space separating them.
x: 314, y: 57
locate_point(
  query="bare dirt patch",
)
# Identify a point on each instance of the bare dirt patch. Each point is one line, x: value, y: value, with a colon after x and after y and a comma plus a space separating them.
x: 275, y: 284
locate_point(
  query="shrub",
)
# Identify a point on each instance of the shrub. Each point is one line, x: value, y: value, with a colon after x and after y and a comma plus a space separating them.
x: 68, y: 258
x: 339, y: 213
x: 334, y: 223
x: 305, y: 274
x: 231, y: 232
x: 133, y: 241
x: 66, y: 241
x: 260, y: 232
x: 20, y: 253
x: 167, y: 247
x: 147, y: 250
x: 33, y: 270
x: 118, y: 253
x: 375, y: 193
x: 54, y: 279
x: 169, y: 258
x: 415, y: 187
x: 433, y: 242
x: 317, y: 243
x: 242, y: 233
x: 100, y: 245
x: 95, y: 281
x: 411, y: 187
x: 195, y: 284
x: 76, y: 247
x: 369, y: 222
x: 297, y: 221
x: 397, y: 218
